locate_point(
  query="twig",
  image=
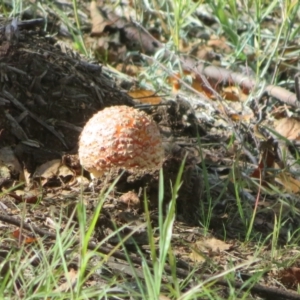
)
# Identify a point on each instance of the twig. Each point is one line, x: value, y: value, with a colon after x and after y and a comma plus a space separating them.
x: 26, y: 24
x: 220, y: 75
x: 297, y: 86
x: 16, y: 129
x: 20, y: 106
x: 267, y: 292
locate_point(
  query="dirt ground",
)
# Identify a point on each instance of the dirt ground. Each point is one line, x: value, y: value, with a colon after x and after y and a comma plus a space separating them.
x: 47, y: 93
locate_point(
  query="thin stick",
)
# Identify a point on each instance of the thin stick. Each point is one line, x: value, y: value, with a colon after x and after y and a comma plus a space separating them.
x: 267, y: 292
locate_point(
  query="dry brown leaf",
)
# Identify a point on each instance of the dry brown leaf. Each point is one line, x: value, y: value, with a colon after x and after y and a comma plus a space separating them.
x: 70, y: 283
x: 72, y: 162
x: 289, y: 128
x: 212, y: 245
x: 65, y: 173
x: 129, y: 69
x: 218, y: 43
x: 48, y: 169
x: 145, y: 96
x: 33, y: 196
x: 174, y: 80
x: 279, y: 112
x: 99, y: 21
x: 216, y: 245
x: 237, y: 117
x: 28, y: 197
x: 197, y: 83
x: 131, y: 199
x: 208, y: 51
x: 195, y: 256
x: 81, y: 180
x: 25, y: 177
x: 201, y: 87
x: 290, y: 277
x: 109, y: 50
x: 24, y: 239
x: 290, y: 184
x: 233, y: 93
x: 51, y: 169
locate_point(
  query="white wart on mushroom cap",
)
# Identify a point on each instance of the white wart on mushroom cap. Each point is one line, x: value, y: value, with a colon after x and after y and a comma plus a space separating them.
x: 120, y: 137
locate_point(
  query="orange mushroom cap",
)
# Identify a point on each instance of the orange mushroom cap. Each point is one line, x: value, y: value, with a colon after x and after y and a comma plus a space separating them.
x: 120, y: 137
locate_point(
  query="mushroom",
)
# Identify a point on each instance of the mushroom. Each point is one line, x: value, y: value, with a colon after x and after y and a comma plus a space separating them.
x: 120, y: 137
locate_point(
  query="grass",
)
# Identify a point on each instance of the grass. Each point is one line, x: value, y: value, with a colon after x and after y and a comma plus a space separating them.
x: 263, y: 50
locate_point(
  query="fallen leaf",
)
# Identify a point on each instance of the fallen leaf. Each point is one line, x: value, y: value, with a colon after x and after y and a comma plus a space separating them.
x: 129, y: 69
x: 290, y: 277
x: 237, y: 117
x: 195, y: 256
x: 25, y: 176
x: 48, y: 169
x: 72, y: 162
x: 131, y: 199
x: 145, y: 96
x: 109, y: 50
x: 211, y: 245
x: 289, y: 128
x: 203, y: 87
x: 216, y: 245
x: 28, y: 197
x: 218, y: 43
x: 279, y: 112
x: 65, y: 173
x: 99, y: 21
x: 233, y: 93
x: 72, y: 277
x: 174, y: 80
x: 24, y: 239
x: 290, y: 184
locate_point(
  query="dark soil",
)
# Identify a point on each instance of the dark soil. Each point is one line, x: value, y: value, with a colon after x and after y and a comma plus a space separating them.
x: 48, y: 92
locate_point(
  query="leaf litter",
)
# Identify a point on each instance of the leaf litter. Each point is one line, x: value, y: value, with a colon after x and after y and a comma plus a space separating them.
x: 48, y: 92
